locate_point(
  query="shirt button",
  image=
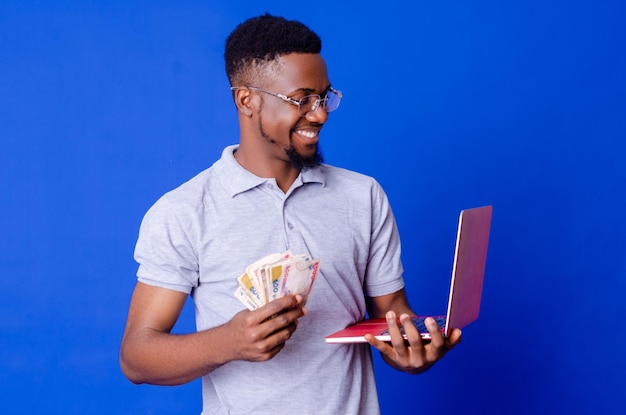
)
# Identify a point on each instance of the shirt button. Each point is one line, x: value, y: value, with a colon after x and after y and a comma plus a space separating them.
x: 289, y: 225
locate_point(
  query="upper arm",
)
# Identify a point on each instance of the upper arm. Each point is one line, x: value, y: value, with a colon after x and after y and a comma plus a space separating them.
x: 397, y: 302
x: 154, y: 308
x: 152, y: 313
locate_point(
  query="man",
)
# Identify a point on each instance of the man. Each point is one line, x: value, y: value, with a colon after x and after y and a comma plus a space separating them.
x: 268, y: 194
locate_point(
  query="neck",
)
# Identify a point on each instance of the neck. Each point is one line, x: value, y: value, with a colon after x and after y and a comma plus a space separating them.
x: 280, y: 170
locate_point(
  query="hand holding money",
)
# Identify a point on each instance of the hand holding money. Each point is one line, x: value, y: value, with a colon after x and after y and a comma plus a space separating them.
x: 275, y: 276
x: 257, y: 336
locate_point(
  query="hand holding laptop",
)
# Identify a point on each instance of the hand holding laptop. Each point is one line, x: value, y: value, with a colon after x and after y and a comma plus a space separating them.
x: 403, y: 341
x: 407, y: 350
x: 466, y: 284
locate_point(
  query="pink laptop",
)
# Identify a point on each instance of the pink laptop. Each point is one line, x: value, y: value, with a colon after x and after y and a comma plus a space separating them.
x: 466, y: 286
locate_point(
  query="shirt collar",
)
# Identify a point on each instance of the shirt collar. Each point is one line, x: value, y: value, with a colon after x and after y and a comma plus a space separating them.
x: 236, y: 179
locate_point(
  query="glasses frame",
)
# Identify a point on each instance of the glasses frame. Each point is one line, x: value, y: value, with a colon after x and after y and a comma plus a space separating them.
x: 297, y: 102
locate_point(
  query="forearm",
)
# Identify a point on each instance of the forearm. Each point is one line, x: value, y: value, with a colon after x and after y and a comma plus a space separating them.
x: 151, y: 356
x: 396, y: 302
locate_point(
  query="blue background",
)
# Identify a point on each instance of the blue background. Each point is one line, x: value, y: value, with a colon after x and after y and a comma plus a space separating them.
x: 105, y: 105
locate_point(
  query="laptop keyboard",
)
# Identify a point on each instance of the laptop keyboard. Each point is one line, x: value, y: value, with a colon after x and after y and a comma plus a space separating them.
x: 421, y: 327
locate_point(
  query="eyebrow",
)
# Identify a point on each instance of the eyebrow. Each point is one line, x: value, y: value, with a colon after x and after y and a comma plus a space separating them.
x: 309, y: 91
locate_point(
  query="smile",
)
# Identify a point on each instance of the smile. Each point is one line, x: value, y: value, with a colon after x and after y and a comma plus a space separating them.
x: 309, y: 134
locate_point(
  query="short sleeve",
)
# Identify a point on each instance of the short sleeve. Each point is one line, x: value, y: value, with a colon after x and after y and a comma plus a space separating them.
x: 384, y: 269
x: 165, y: 249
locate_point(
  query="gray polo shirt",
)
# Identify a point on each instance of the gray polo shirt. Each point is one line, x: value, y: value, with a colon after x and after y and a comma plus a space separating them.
x: 199, y: 237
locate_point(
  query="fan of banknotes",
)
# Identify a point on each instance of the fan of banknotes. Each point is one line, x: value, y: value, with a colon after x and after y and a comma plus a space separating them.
x: 275, y: 276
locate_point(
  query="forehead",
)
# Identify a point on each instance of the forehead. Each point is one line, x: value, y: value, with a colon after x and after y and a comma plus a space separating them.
x: 299, y: 71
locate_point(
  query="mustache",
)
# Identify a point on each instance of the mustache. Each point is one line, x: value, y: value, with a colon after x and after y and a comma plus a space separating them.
x: 309, y: 124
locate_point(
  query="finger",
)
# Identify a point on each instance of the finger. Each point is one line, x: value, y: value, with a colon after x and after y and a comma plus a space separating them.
x: 282, y: 334
x: 268, y: 350
x: 278, y: 306
x: 454, y: 339
x: 267, y: 345
x: 382, y: 346
x: 397, y: 340
x: 436, y: 337
x: 281, y: 321
x: 440, y: 345
x: 413, y: 335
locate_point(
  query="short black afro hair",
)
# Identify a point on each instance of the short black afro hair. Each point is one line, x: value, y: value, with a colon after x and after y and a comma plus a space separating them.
x: 262, y: 39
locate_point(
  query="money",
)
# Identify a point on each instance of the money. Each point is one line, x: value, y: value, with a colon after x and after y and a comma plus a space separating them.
x: 275, y: 276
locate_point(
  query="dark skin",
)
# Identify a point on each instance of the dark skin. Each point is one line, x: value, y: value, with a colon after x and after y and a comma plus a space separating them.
x: 249, y: 335
x: 268, y: 126
x: 412, y: 355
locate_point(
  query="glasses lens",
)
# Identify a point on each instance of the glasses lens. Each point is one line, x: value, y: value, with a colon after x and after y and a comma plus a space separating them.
x: 332, y: 100
x: 329, y: 103
x: 308, y: 104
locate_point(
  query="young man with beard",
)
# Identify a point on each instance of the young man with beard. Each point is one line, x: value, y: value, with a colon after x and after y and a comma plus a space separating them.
x: 270, y: 193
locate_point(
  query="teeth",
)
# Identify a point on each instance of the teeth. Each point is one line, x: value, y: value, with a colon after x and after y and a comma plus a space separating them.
x: 308, y: 134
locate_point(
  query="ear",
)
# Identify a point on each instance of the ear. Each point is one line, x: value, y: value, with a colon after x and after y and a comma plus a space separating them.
x: 244, y: 101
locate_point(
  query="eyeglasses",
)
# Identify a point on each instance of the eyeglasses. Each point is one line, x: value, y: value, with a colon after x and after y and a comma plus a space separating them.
x: 306, y: 104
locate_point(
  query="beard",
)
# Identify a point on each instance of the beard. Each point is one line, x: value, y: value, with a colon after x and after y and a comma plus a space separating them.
x: 301, y: 162
x: 296, y: 159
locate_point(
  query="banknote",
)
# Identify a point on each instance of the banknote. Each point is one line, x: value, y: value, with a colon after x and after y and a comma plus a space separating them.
x: 275, y: 276
x: 298, y: 276
x: 245, y: 298
x: 250, y: 290
x: 256, y: 272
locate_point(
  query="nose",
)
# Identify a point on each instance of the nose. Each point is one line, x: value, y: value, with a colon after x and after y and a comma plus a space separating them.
x: 319, y: 116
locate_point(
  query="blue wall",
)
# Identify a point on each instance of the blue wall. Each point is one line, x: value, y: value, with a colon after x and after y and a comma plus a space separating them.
x: 105, y: 105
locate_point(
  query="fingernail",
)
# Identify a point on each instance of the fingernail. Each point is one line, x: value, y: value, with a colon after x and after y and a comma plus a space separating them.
x: 390, y: 315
